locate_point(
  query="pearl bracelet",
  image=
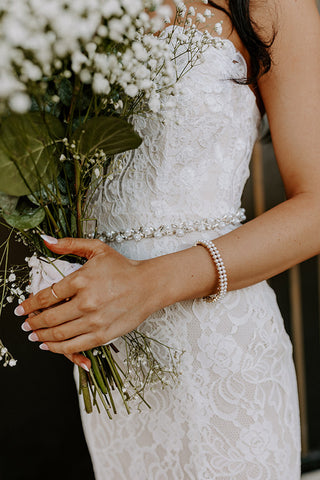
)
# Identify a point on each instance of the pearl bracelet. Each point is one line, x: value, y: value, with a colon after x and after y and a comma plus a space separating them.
x: 223, y: 279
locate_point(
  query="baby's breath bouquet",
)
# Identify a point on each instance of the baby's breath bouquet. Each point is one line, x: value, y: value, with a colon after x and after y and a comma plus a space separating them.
x: 72, y: 76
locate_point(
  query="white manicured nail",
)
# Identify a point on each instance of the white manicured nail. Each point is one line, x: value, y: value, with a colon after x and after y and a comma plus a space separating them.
x: 48, y: 239
x: 33, y: 337
x: 19, y: 311
x: 26, y: 327
x: 84, y: 366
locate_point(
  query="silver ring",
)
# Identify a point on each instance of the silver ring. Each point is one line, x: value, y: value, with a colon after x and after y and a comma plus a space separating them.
x: 53, y: 292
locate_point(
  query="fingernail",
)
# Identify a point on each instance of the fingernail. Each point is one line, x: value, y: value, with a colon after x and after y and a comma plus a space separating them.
x: 48, y: 239
x: 19, y: 311
x: 26, y: 327
x: 44, y: 346
x: 33, y: 337
x: 84, y: 366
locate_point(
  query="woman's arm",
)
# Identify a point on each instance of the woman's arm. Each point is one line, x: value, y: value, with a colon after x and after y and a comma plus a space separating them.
x: 112, y: 295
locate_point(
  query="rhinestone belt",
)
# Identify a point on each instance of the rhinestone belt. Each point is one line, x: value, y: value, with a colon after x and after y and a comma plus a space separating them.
x: 178, y: 228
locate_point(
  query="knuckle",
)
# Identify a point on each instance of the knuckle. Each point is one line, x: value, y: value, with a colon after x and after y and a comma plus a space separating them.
x: 46, y: 319
x: 78, y: 282
x: 88, y: 305
x: 68, y: 242
x: 57, y: 335
x: 93, y: 322
x: 40, y: 301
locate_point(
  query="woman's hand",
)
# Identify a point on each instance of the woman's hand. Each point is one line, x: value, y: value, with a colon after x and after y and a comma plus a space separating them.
x: 109, y: 296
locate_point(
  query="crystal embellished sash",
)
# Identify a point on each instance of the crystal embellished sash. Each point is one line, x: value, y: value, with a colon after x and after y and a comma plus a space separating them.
x: 176, y: 228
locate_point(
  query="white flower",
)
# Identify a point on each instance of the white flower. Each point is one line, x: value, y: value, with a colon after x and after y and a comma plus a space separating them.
x: 12, y: 362
x: 100, y: 84
x: 39, y: 39
x: 12, y: 277
x: 44, y: 274
x: 139, y: 52
x: 192, y: 11
x: 218, y: 28
x: 97, y: 172
x: 133, y: 7
x: 200, y: 18
x: 19, y: 102
x: 117, y: 29
x: 111, y: 8
x: 131, y: 90
x: 9, y: 299
x: 154, y: 103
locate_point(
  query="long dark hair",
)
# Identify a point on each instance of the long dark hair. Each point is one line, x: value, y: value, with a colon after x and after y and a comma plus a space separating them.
x: 259, y: 50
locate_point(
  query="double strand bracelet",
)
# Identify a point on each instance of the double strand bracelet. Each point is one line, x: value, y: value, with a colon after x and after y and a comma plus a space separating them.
x: 221, y: 269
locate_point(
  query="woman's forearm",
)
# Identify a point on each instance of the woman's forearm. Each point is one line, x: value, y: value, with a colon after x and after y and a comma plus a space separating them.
x: 258, y: 250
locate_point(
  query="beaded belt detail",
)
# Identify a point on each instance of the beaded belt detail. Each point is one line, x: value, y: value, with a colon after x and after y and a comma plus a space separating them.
x: 179, y: 228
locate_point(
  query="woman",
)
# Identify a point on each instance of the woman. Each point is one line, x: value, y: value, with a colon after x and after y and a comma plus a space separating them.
x: 234, y: 414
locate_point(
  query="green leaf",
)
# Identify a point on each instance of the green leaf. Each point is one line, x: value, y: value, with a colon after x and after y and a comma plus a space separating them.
x: 25, y: 216
x: 8, y: 203
x: 65, y: 91
x: 49, y: 194
x: 110, y: 134
x: 28, y: 153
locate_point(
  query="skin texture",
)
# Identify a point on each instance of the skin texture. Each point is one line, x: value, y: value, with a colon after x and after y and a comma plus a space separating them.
x: 112, y: 295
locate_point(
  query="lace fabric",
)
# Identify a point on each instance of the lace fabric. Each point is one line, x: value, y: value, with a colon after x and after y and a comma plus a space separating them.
x: 234, y: 413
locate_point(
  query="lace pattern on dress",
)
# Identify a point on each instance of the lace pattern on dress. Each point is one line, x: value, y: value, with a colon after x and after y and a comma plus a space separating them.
x: 234, y: 414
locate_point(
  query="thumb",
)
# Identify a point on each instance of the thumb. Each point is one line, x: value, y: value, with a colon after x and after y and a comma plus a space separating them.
x: 77, y: 246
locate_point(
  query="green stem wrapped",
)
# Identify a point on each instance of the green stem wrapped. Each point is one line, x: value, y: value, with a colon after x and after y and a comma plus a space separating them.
x: 84, y: 390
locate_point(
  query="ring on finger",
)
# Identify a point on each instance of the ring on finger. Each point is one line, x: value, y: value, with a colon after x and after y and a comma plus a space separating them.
x: 53, y: 292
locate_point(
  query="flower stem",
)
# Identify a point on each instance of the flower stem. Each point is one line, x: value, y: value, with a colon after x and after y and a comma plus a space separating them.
x: 57, y: 230
x: 84, y: 389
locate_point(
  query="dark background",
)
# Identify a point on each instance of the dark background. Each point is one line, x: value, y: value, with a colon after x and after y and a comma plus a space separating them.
x: 40, y: 430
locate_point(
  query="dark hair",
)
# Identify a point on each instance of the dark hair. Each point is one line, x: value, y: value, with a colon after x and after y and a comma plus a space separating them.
x: 258, y: 49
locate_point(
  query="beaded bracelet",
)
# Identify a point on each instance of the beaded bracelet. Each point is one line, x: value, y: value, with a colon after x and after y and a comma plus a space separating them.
x: 223, y: 279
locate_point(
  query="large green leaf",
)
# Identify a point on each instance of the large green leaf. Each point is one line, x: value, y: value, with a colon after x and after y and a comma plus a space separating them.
x: 25, y: 216
x: 28, y: 150
x: 110, y: 134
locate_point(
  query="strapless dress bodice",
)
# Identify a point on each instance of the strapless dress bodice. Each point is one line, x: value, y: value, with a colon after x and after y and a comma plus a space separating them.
x: 194, y: 159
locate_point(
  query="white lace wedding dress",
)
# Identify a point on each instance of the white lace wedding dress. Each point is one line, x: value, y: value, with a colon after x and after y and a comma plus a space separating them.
x: 234, y: 414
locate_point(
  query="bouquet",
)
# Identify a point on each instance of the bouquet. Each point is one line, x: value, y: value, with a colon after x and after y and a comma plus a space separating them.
x: 72, y: 77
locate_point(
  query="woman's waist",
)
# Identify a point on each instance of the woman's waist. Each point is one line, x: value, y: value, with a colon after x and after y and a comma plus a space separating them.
x: 154, y: 238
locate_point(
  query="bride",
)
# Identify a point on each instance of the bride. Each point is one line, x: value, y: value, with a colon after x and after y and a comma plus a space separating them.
x: 234, y: 414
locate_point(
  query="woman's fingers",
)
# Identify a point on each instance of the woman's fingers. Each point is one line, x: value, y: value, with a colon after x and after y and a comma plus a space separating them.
x: 68, y: 286
x: 80, y: 360
x: 64, y: 312
x: 90, y: 337
x: 73, y: 345
x: 77, y: 246
x: 63, y: 290
x: 60, y: 333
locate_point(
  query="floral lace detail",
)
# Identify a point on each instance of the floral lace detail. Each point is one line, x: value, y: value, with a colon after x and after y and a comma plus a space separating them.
x: 234, y: 414
x: 193, y: 162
